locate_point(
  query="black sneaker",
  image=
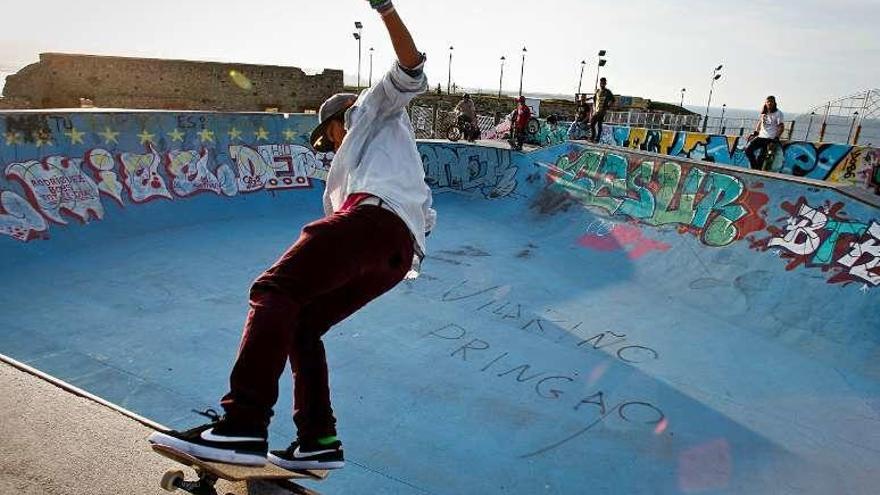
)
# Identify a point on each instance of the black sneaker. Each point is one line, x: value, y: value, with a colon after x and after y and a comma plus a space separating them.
x: 218, y: 441
x: 309, y: 455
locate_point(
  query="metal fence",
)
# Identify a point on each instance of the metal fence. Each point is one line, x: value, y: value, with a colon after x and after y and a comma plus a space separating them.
x: 434, y: 123
x: 649, y: 120
x: 806, y: 127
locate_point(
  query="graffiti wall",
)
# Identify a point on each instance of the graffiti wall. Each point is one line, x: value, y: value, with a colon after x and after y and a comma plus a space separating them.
x: 63, y: 168
x: 462, y: 168
x: 801, y: 226
x: 839, y: 163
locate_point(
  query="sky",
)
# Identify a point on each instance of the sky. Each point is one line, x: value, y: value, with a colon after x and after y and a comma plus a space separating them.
x: 805, y: 52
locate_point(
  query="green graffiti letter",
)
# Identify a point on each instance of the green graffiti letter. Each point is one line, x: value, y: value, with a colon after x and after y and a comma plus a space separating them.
x: 611, y: 177
x: 669, y: 177
x: 825, y: 253
x: 722, y: 191
x: 637, y: 183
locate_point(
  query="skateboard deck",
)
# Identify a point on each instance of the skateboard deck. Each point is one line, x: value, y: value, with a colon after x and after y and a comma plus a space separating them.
x: 209, y: 472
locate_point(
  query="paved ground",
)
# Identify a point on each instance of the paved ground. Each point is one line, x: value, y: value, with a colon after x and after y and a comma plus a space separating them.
x: 56, y: 443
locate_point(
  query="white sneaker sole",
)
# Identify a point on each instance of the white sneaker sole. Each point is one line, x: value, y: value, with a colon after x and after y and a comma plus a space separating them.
x: 207, y: 453
x: 300, y: 465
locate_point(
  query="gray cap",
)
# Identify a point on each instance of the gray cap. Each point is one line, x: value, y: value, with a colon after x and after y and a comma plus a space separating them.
x: 334, y: 107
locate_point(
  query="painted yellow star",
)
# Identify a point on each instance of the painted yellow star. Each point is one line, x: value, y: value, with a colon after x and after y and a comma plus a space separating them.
x: 42, y: 138
x: 289, y: 134
x: 206, y: 135
x: 176, y: 135
x: 234, y: 134
x: 13, y: 138
x: 109, y: 135
x: 146, y: 137
x: 75, y: 136
x: 261, y: 134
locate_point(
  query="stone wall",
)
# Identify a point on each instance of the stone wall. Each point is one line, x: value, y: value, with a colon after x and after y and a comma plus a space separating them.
x: 62, y: 81
x: 15, y: 103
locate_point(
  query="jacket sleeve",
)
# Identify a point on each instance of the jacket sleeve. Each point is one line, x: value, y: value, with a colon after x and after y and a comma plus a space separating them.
x: 394, y: 91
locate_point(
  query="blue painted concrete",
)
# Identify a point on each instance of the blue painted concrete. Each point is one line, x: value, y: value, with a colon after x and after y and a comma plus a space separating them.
x: 565, y: 336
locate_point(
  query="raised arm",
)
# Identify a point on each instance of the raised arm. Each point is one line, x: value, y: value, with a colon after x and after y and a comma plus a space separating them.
x: 404, y: 46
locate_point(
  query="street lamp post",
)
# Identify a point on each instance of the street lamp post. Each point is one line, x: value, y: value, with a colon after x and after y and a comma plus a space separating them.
x: 501, y: 78
x: 449, y: 81
x: 359, y: 38
x: 581, y: 80
x: 682, y: 97
x: 852, y: 126
x: 599, y: 66
x: 723, y: 127
x: 371, y: 67
x: 522, y: 69
x: 715, y: 76
x: 809, y: 126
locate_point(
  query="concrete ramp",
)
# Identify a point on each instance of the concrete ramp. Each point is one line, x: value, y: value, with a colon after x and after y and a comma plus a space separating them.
x: 590, y: 319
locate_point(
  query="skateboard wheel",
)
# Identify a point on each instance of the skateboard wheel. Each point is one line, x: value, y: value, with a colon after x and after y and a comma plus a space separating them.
x: 170, y: 480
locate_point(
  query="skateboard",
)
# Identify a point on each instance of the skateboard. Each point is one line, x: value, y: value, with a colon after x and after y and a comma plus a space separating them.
x: 209, y: 472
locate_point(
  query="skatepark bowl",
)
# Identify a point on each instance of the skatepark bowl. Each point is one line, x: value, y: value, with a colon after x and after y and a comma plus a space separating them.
x: 590, y: 319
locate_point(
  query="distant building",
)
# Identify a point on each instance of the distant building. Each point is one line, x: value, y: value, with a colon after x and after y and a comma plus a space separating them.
x: 71, y: 81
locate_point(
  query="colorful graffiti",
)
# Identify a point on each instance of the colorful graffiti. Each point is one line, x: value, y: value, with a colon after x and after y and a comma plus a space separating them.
x: 719, y: 208
x: 715, y: 206
x: 469, y: 169
x: 603, y: 235
x: 839, y: 163
x: 136, y: 158
x: 824, y: 237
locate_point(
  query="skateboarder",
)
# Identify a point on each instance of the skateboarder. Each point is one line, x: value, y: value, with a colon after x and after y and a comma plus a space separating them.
x: 378, y: 210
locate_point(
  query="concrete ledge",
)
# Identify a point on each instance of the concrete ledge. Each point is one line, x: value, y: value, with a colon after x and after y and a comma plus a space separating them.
x: 57, y: 443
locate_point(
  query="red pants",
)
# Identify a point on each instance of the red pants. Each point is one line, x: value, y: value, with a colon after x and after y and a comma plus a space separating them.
x: 338, y: 265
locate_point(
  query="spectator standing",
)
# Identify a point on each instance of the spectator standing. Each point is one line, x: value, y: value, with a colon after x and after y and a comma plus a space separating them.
x: 521, y: 117
x: 603, y: 99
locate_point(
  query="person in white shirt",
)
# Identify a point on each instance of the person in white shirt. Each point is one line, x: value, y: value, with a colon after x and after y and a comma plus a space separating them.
x: 378, y: 211
x: 769, y: 129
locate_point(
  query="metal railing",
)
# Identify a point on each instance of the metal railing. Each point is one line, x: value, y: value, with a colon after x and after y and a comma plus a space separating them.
x: 806, y: 127
x: 656, y: 121
x: 433, y: 123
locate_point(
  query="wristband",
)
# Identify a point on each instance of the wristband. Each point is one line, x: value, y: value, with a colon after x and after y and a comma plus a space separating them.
x: 380, y: 5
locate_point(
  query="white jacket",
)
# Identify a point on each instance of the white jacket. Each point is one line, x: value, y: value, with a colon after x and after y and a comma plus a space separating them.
x: 379, y: 155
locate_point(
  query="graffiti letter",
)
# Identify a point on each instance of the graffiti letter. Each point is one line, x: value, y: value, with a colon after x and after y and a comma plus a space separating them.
x: 140, y: 174
x: 552, y: 393
x: 637, y: 183
x: 597, y: 399
x: 102, y: 162
x: 871, y: 247
x: 801, y: 237
x: 825, y: 254
x: 18, y: 219
x: 57, y: 184
x: 722, y: 191
x: 483, y: 345
x: 612, y: 176
x: 519, y: 376
x: 669, y: 177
